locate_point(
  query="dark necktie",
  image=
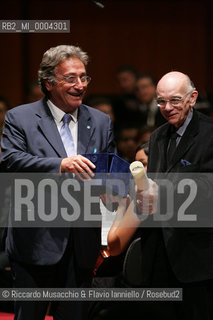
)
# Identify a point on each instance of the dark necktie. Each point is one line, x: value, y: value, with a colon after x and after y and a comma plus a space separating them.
x: 66, y: 135
x: 172, y: 147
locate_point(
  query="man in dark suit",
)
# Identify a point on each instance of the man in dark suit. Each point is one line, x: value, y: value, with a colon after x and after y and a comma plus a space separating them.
x: 49, y: 136
x: 180, y: 257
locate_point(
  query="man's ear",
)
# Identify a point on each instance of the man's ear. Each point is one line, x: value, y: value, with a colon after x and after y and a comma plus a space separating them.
x: 48, y: 85
x: 193, y: 98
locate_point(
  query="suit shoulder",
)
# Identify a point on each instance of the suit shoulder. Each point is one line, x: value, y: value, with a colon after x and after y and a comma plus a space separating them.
x: 96, y: 113
x: 25, y: 108
x: 160, y: 130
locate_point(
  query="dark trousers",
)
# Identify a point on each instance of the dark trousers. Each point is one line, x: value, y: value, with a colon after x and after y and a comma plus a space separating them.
x: 197, y: 302
x: 64, y: 274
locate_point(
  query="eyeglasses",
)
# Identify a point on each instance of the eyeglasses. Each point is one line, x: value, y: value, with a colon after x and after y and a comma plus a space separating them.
x: 73, y: 79
x: 175, y: 102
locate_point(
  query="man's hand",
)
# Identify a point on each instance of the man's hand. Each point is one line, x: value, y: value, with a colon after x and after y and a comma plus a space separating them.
x: 147, y: 199
x: 78, y: 165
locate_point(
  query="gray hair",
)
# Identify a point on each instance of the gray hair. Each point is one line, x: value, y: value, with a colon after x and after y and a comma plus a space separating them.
x: 53, y: 57
x: 190, y: 83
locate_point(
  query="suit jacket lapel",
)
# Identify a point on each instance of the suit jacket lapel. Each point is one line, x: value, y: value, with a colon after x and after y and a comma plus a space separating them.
x: 49, y: 129
x: 186, y: 141
x: 85, y: 129
x: 162, y: 147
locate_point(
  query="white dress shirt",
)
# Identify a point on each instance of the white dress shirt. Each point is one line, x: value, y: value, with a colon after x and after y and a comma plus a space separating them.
x: 58, y: 116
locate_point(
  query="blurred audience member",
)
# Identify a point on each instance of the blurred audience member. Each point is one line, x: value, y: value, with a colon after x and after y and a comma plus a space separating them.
x: 103, y: 104
x: 127, y: 142
x: 127, y: 76
x: 142, y: 153
x: 146, y: 89
x: 204, y: 105
x: 3, y: 110
x: 34, y: 92
x: 144, y: 134
x: 146, y: 93
x: 126, y: 104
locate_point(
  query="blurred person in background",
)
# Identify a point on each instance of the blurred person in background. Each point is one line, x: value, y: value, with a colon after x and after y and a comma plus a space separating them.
x: 142, y: 153
x: 34, y: 92
x: 146, y: 93
x: 126, y: 78
x: 103, y: 104
x: 204, y: 105
x: 127, y: 141
x: 126, y: 104
x: 144, y: 134
x: 3, y: 109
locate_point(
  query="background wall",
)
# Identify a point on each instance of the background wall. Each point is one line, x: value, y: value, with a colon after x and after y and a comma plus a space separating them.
x: 154, y: 36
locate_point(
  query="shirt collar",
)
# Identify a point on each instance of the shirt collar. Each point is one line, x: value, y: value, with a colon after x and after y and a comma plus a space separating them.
x: 58, y: 113
x: 182, y: 129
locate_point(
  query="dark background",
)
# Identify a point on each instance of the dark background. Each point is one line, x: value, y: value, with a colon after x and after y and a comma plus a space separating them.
x: 154, y: 36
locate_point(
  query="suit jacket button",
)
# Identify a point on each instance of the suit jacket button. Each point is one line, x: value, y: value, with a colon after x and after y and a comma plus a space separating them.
x: 94, y: 158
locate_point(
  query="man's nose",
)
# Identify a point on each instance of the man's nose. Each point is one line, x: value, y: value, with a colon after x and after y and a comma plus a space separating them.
x: 168, y: 106
x: 79, y: 84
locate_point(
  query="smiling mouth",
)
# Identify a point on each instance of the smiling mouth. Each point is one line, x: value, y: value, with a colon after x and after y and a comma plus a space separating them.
x: 171, y: 115
x: 76, y: 95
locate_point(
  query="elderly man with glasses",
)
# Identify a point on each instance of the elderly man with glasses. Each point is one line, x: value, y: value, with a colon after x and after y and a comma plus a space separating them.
x: 51, y: 135
x: 175, y: 256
